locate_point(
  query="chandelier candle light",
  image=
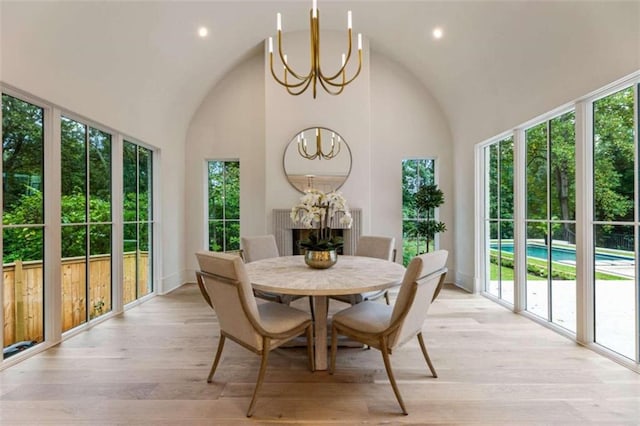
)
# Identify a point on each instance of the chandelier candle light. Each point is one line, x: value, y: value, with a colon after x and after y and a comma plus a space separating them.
x: 319, y: 154
x: 333, y: 84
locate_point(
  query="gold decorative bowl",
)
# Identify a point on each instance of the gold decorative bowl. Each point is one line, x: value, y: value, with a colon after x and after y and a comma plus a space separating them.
x: 321, y: 259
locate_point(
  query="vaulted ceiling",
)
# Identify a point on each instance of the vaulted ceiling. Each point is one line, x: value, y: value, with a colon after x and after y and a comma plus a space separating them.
x: 147, y: 55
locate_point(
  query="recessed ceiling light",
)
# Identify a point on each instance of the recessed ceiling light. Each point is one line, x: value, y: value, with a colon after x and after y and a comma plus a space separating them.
x: 437, y: 33
x: 203, y: 31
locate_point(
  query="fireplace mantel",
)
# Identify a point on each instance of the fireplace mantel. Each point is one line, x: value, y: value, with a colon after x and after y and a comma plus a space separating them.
x: 282, y: 226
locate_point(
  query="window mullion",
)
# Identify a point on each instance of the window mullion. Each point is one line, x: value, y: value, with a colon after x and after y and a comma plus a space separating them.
x: 53, y: 227
x: 117, y: 227
x: 584, y: 223
x: 636, y: 124
x: 87, y: 241
x: 549, y: 228
x: 520, y: 223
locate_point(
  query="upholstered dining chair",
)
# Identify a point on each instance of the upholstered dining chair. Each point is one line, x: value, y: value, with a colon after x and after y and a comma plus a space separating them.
x: 388, y: 327
x: 260, y: 328
x: 372, y: 246
x: 265, y: 247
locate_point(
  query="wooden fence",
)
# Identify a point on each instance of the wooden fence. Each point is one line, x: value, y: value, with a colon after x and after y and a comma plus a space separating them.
x: 24, y: 297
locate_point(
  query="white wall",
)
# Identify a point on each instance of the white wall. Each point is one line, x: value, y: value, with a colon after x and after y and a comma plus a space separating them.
x: 386, y: 115
x: 229, y: 124
x: 406, y: 123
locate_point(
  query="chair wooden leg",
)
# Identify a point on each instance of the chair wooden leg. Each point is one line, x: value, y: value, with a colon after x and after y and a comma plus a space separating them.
x: 426, y: 355
x: 310, y: 347
x: 313, y: 314
x: 217, y: 359
x: 334, y: 349
x: 387, y: 365
x: 263, y: 368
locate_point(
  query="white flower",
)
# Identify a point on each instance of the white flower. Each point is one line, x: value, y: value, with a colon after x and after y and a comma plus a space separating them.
x: 346, y: 219
x: 318, y: 210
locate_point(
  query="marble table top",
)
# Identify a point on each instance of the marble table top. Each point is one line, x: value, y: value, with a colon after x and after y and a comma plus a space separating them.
x: 350, y: 275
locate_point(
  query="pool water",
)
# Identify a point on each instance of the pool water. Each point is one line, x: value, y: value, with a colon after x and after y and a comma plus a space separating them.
x: 558, y: 254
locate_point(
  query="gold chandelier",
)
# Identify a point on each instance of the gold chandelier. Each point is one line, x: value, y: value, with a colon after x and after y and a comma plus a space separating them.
x: 319, y: 154
x: 333, y: 84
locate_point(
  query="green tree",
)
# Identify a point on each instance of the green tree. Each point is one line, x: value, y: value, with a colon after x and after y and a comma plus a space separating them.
x: 563, y: 171
x: 22, y: 155
x: 614, y: 154
x: 428, y: 198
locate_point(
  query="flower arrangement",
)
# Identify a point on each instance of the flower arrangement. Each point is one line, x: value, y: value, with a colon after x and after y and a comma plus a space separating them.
x: 318, y: 210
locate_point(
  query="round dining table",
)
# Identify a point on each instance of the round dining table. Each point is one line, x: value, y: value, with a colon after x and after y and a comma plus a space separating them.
x: 350, y: 275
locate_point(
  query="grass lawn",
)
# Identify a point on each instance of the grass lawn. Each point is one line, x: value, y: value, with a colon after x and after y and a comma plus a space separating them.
x: 507, y: 272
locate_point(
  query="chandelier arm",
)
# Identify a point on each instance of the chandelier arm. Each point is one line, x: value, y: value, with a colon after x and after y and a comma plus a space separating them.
x: 303, y: 153
x: 283, y: 83
x: 329, y: 90
x: 315, y: 49
x: 352, y: 78
x: 346, y: 61
x: 319, y: 146
x: 331, y: 154
x: 281, y: 54
x: 294, y: 93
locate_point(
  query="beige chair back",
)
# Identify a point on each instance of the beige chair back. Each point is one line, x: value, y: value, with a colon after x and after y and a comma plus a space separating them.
x: 259, y: 247
x: 227, y: 284
x: 373, y: 246
x: 421, y: 281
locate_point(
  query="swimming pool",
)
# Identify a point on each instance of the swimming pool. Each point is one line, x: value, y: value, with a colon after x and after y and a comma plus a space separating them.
x: 559, y: 254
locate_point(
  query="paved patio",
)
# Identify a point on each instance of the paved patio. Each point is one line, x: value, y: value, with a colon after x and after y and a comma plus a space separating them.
x: 615, y: 310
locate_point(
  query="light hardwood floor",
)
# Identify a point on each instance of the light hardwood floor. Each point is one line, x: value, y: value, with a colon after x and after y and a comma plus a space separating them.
x: 149, y: 367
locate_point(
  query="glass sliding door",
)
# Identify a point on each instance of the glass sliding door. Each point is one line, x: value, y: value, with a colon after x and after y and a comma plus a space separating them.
x: 137, y: 221
x: 550, y: 220
x: 499, y: 219
x: 22, y: 224
x: 86, y: 223
x: 615, y: 223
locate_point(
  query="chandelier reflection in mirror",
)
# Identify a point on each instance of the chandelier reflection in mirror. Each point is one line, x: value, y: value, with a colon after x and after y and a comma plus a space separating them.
x: 319, y: 154
x: 333, y: 84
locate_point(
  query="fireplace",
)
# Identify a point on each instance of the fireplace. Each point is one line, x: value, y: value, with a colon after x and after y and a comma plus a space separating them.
x: 303, y: 234
x: 283, y: 228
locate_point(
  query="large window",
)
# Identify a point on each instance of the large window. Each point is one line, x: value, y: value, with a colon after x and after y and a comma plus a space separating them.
x: 86, y: 222
x: 58, y: 236
x: 499, y: 250
x: 615, y: 222
x: 561, y: 222
x: 415, y: 173
x: 138, y: 221
x: 550, y: 220
x: 224, y: 205
x: 22, y: 224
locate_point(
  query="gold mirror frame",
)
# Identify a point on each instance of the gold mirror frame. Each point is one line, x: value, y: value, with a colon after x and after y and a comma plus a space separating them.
x: 318, y: 173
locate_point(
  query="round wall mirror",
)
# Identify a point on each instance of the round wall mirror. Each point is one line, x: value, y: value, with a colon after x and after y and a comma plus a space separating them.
x: 317, y: 158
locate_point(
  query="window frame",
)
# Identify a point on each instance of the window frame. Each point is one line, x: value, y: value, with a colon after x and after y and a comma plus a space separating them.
x: 207, y: 214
